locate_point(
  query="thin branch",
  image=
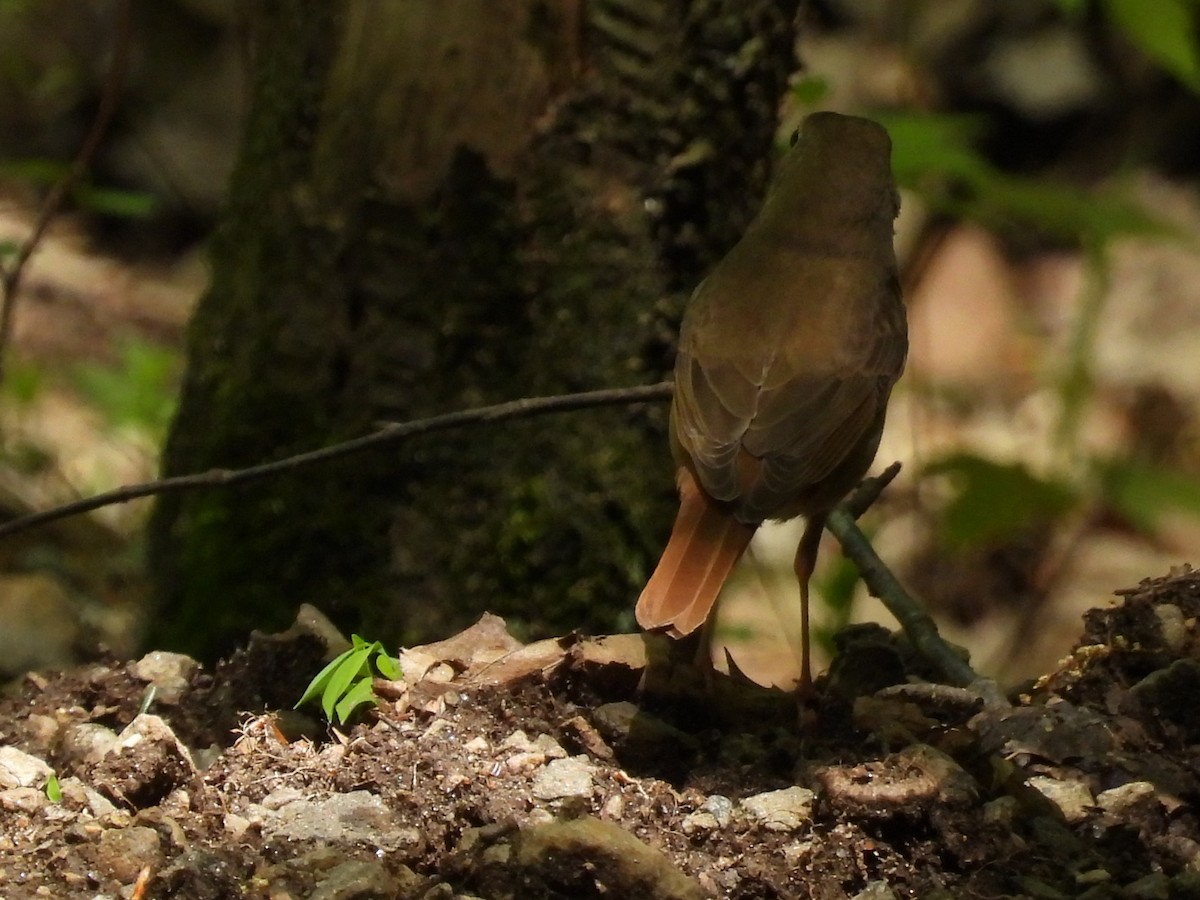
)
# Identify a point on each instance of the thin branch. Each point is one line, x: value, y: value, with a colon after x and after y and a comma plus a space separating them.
x: 388, y: 433
x: 880, y: 581
x: 10, y: 276
x: 869, y: 489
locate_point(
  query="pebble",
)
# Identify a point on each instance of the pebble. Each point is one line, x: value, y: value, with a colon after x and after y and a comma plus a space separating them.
x: 573, y: 776
x: 785, y: 810
x: 350, y: 818
x: 123, y: 852
x: 170, y: 673
x: 875, y: 890
x: 20, y: 769
x: 1120, y: 801
x: 1071, y: 798
x: 23, y: 799
x: 87, y: 742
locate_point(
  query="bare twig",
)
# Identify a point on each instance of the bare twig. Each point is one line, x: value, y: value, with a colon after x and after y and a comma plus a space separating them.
x: 10, y: 275
x: 880, y: 581
x: 869, y: 489
x: 388, y: 433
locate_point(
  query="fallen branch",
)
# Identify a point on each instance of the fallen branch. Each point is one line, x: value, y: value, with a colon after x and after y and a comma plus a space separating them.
x: 392, y: 431
x: 918, y: 625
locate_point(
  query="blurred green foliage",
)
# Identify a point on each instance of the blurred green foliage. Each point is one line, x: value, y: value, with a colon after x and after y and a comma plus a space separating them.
x: 935, y: 156
x: 993, y: 501
x: 1165, y: 30
x: 107, y: 201
x: 137, y: 390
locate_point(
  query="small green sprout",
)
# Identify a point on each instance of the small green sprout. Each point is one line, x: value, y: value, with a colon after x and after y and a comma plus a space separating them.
x: 53, y: 789
x: 345, y: 684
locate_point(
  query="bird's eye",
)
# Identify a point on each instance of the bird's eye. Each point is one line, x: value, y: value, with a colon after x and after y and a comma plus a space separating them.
x: 795, y: 137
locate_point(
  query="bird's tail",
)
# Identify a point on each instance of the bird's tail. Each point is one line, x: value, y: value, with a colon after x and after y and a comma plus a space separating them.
x: 706, y: 543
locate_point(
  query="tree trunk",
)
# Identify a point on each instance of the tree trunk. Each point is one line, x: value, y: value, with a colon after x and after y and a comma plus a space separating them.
x: 441, y: 205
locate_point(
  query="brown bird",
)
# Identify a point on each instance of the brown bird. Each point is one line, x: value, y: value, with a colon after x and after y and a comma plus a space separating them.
x: 787, y: 356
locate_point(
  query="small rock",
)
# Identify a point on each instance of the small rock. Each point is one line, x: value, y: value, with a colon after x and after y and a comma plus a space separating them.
x: 699, y: 821
x: 23, y: 799
x: 78, y: 795
x: 354, y: 880
x: 170, y: 673
x: 145, y: 765
x: 524, y: 762
x: 785, y: 810
x: 543, y: 744
x: 281, y: 797
x: 519, y: 741
x: 540, y: 816
x: 614, y: 807
x: 1093, y: 876
x: 123, y: 852
x: 588, y: 738
x: 1071, y: 798
x: 548, y: 745
x: 570, y: 777
x: 720, y: 807
x: 235, y: 825
x: 716, y: 812
x: 1121, y: 801
x: 602, y: 859
x: 1001, y: 811
x: 351, y: 818
x: 797, y: 852
x: 20, y: 769
x: 875, y: 890
x: 87, y: 743
x: 476, y: 745
x: 1172, y: 626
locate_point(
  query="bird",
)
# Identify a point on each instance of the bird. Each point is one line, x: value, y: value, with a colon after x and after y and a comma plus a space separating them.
x: 788, y: 353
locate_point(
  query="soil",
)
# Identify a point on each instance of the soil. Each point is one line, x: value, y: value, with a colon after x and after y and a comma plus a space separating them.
x: 608, y: 767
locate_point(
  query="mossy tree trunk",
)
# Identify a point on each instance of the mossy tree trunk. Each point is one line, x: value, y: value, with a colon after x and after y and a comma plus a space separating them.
x: 441, y: 205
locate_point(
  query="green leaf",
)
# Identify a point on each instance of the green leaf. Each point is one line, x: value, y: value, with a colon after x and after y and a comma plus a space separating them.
x: 387, y: 666
x: 1165, y: 30
x: 53, y: 789
x: 352, y: 669
x: 362, y: 693
x: 345, y: 683
x: 994, y: 500
x: 1142, y: 491
x: 316, y: 687
x: 115, y: 202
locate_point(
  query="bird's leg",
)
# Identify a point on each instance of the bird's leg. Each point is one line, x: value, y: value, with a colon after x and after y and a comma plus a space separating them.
x: 806, y: 562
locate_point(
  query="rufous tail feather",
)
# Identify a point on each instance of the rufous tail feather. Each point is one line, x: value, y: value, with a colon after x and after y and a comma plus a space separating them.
x: 706, y: 543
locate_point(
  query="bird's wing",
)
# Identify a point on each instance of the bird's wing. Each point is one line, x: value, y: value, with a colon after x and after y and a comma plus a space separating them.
x: 799, y: 417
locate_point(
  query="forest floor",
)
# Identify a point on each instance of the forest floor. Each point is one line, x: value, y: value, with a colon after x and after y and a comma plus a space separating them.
x: 605, y: 767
